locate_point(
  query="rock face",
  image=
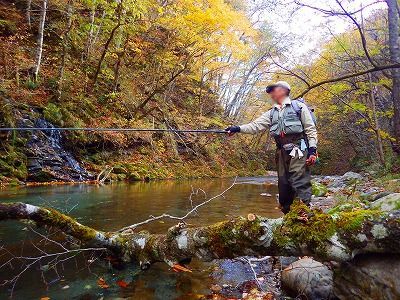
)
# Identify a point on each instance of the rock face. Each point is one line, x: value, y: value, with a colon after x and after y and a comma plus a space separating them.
x: 310, y: 278
x: 47, y: 158
x: 387, y: 203
x: 369, y: 277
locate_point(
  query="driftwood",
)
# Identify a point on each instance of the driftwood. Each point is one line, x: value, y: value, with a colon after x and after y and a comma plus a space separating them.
x: 337, y: 237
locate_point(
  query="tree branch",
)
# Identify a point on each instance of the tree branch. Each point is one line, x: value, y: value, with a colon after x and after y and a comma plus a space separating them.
x: 346, y: 76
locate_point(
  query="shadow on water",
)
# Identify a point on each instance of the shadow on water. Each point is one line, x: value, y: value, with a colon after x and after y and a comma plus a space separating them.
x: 114, y: 206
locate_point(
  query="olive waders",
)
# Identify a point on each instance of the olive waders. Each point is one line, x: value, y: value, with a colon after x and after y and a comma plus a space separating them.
x: 294, y: 176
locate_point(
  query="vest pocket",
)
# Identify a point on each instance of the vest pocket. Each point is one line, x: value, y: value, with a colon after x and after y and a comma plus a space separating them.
x: 274, y: 128
x: 293, y: 126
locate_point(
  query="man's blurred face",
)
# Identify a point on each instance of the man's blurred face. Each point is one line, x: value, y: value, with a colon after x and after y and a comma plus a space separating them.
x: 278, y: 94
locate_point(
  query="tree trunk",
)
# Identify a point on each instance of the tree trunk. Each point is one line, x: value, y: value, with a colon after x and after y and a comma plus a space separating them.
x: 64, y: 50
x: 117, y: 67
x: 301, y: 232
x: 28, y: 12
x: 394, y: 48
x: 39, y: 49
x: 119, y: 12
x: 89, y: 40
x: 376, y: 123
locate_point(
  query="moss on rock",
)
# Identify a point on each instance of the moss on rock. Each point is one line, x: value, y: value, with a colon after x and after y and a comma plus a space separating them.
x: 318, y: 189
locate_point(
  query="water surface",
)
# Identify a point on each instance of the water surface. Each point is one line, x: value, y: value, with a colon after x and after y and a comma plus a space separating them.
x: 111, y: 207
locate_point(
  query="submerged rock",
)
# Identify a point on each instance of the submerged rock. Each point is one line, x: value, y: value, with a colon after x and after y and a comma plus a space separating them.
x: 369, y: 277
x: 310, y: 278
x: 387, y: 203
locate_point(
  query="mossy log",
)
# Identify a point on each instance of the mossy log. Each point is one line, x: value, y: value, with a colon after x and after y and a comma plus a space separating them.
x: 337, y: 237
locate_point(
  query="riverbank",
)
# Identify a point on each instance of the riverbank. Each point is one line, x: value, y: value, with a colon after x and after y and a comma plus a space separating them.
x: 365, y: 277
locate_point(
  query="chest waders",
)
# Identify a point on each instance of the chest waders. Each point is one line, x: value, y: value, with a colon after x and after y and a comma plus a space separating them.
x: 294, y: 177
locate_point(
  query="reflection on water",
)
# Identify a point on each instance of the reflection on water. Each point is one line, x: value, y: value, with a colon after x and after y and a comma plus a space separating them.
x: 114, y: 206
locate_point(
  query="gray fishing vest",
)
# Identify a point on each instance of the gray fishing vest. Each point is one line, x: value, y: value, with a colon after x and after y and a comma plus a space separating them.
x: 288, y: 123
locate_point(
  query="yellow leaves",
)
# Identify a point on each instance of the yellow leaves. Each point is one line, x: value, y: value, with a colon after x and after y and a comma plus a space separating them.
x: 212, y: 25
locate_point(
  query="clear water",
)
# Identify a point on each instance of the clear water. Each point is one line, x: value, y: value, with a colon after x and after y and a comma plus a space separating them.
x: 111, y: 207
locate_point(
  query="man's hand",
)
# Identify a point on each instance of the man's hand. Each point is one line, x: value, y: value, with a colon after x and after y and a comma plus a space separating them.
x: 312, y: 156
x: 231, y: 130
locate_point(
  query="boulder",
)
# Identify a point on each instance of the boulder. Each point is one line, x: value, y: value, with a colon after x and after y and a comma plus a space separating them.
x: 381, y: 195
x: 286, y: 261
x: 369, y: 277
x: 310, y: 278
x: 387, y: 203
x: 341, y: 182
x: 352, y: 176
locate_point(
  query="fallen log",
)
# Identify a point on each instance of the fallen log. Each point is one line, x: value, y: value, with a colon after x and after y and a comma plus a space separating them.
x: 338, y: 236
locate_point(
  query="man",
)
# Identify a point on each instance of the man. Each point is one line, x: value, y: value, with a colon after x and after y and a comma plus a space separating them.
x: 291, y: 124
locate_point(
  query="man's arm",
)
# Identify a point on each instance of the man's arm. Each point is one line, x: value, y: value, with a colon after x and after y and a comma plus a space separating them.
x: 309, y: 127
x: 260, y: 124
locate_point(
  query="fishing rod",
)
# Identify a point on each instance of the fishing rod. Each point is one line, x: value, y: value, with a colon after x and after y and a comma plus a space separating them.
x: 215, y: 131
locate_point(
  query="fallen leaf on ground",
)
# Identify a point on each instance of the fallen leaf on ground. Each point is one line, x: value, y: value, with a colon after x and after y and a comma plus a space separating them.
x: 45, y: 298
x: 122, y: 283
x: 179, y: 268
x: 251, y: 217
x: 102, y: 283
x: 216, y: 288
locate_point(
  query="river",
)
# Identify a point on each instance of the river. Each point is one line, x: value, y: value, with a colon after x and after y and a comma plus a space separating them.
x: 110, y: 207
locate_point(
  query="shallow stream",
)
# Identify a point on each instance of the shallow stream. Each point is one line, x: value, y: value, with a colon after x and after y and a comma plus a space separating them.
x: 111, y: 207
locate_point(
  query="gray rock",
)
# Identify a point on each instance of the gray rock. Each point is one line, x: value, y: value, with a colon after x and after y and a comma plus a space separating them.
x: 381, y: 195
x: 287, y: 260
x: 324, y: 203
x: 352, y: 176
x: 369, y: 277
x: 310, y: 278
x: 387, y: 203
x: 339, y: 182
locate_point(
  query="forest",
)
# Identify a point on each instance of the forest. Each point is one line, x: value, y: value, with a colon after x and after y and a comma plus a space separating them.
x: 177, y: 64
x: 174, y: 65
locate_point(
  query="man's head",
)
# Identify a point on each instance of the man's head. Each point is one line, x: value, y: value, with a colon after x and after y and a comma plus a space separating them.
x: 278, y: 91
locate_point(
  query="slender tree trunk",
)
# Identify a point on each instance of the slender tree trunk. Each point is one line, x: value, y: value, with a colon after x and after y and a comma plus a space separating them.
x: 64, y: 49
x: 99, y: 27
x: 119, y: 12
x: 377, y: 128
x: 28, y: 12
x: 39, y: 49
x: 103, y: 54
x: 394, y: 48
x: 89, y: 40
x: 118, y: 64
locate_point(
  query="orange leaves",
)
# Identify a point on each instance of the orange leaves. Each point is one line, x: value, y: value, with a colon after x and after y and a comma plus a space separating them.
x: 102, y: 283
x: 122, y: 284
x: 179, y: 268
